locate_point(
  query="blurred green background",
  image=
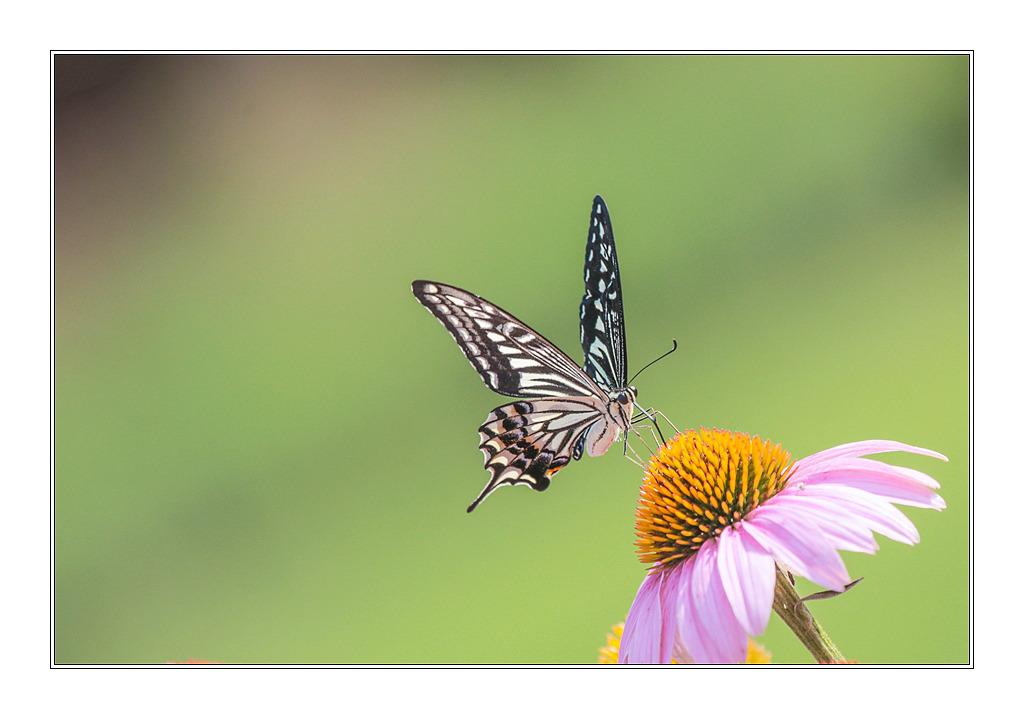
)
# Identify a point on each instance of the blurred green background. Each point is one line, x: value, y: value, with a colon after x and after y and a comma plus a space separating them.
x: 265, y: 446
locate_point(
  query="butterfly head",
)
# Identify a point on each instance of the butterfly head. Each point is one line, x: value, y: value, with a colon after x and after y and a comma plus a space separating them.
x: 621, y: 406
x: 625, y: 396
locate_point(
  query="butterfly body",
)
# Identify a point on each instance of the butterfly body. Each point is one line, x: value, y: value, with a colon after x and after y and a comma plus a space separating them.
x: 564, y: 409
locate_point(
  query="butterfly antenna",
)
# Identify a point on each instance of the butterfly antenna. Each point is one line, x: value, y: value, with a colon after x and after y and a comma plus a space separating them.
x: 675, y: 346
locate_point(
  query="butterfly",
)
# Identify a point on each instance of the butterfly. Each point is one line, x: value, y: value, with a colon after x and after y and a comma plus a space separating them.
x: 563, y: 409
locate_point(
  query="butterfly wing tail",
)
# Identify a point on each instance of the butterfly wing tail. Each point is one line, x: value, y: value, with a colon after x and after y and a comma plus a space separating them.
x: 491, y: 486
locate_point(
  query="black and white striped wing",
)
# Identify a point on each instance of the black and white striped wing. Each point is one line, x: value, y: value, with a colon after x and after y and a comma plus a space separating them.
x: 602, y: 325
x: 527, y: 442
x: 511, y: 358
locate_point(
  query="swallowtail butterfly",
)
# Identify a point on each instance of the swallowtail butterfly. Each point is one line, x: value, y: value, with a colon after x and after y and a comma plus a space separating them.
x: 563, y: 409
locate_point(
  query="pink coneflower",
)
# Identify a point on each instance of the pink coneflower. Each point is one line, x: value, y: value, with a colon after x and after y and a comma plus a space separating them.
x: 719, y: 509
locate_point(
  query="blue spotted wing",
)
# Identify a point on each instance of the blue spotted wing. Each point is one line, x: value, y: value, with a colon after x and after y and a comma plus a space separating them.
x: 602, y: 325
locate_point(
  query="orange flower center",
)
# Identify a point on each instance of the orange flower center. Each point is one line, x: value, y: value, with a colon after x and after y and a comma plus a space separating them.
x: 700, y: 482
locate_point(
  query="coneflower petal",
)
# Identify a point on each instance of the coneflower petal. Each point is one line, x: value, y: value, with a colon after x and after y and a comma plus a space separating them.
x: 876, y: 513
x: 799, y: 545
x: 641, y: 637
x: 691, y: 632
x: 845, y: 530
x: 748, y: 577
x: 913, y: 474
x: 859, y: 449
x: 894, y: 484
x: 719, y: 637
x: 669, y: 613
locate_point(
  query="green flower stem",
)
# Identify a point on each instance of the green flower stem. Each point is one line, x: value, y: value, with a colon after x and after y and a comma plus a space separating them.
x: 794, y: 613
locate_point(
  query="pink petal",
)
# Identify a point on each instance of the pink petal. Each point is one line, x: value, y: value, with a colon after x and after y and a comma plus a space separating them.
x: 843, y: 529
x: 669, y: 613
x: 641, y: 637
x: 799, y: 545
x: 692, y: 633
x: 912, y: 474
x: 896, y: 484
x: 859, y: 449
x: 710, y: 630
x: 876, y: 513
x: 680, y: 653
x: 747, y: 571
x: 691, y: 636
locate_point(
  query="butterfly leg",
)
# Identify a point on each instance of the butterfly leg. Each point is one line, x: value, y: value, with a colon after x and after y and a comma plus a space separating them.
x: 661, y: 414
x: 654, y: 436
x: 634, y: 421
x: 635, y: 458
x: 625, y: 438
x: 643, y: 440
x: 632, y: 449
x: 652, y: 416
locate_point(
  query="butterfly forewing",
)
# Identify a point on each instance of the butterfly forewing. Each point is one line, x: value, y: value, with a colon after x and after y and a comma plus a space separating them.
x: 602, y: 325
x: 510, y: 357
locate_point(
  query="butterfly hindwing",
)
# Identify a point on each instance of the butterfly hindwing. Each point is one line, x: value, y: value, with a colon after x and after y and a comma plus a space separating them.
x: 602, y: 325
x: 510, y: 357
x: 527, y: 442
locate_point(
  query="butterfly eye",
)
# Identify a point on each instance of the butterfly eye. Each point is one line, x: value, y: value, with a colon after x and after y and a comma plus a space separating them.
x: 633, y: 390
x: 622, y: 398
